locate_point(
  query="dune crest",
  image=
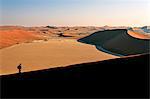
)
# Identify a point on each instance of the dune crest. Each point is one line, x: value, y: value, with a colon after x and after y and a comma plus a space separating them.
x: 139, y: 33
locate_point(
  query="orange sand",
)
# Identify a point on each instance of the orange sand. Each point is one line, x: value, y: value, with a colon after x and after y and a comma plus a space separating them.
x: 48, y: 54
x: 138, y: 35
x: 9, y: 37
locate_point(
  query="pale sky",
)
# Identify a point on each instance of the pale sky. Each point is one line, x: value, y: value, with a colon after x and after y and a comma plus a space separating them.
x: 75, y: 12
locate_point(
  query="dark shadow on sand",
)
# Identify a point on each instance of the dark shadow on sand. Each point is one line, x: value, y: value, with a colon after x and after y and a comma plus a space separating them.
x: 117, y: 42
x: 115, y: 78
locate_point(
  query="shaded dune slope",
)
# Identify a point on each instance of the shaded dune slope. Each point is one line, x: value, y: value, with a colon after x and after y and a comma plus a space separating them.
x: 117, y: 42
x: 122, y: 77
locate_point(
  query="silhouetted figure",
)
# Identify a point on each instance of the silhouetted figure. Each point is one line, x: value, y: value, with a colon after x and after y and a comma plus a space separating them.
x: 19, y: 67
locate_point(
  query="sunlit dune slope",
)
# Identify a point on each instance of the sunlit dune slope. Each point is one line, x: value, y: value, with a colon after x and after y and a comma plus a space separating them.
x: 53, y: 53
x: 10, y: 36
x: 128, y: 76
x: 140, y: 33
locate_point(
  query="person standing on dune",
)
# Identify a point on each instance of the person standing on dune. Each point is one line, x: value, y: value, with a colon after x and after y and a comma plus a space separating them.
x: 19, y: 67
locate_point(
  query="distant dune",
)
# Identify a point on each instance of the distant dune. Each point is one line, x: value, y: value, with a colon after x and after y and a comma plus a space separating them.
x: 140, y: 33
x: 12, y: 35
x: 117, y: 42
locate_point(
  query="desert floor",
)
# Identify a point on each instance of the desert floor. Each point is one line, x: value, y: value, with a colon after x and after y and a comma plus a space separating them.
x: 55, y: 52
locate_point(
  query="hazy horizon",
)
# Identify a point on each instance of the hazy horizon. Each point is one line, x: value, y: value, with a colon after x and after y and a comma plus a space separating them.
x: 75, y: 12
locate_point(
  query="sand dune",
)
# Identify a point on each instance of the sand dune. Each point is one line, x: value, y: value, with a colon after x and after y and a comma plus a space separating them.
x: 53, y: 53
x: 117, y: 42
x: 128, y: 76
x: 10, y: 36
x: 139, y: 33
x: 43, y: 47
